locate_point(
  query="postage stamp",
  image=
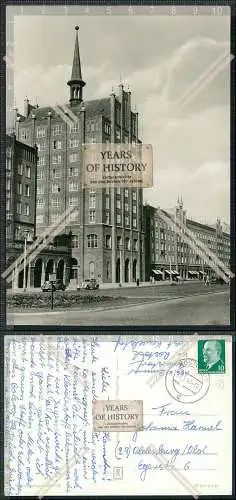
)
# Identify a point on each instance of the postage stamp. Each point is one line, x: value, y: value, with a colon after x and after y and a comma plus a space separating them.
x: 184, y: 383
x: 211, y: 356
x: 118, y: 415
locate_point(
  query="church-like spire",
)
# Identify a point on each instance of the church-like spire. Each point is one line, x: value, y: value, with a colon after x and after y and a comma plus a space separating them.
x: 76, y: 82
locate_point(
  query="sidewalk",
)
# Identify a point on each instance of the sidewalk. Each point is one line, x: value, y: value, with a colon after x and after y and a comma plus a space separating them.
x: 110, y: 286
x: 104, y: 286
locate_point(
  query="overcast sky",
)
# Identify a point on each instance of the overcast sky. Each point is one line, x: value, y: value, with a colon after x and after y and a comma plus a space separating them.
x: 160, y: 57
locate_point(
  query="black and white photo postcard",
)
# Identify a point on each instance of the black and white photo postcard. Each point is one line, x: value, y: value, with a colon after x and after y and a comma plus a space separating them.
x: 118, y: 165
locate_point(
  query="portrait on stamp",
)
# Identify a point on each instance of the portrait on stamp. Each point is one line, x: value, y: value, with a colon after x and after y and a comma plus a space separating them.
x: 211, y: 356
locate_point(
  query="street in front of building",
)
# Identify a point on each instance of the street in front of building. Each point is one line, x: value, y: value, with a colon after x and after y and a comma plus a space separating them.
x: 186, y: 304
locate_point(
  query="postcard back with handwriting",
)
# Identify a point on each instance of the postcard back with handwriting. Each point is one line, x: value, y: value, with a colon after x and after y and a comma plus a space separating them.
x: 137, y: 415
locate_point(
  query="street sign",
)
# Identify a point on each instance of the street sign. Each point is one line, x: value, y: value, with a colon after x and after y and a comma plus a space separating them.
x: 52, y: 277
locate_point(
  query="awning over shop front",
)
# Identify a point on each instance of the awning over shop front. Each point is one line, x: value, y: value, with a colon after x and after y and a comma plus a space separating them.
x: 156, y: 271
x: 174, y: 273
x: 190, y: 273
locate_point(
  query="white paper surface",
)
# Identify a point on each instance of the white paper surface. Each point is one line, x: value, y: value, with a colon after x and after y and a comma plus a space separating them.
x: 51, y: 384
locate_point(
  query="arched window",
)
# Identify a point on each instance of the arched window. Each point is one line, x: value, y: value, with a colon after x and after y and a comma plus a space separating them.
x: 91, y: 270
x: 108, y: 241
x: 135, y: 245
x: 92, y: 241
x: 127, y: 243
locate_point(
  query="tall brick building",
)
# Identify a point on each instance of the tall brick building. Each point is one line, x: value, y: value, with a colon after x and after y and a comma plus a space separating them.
x: 106, y: 227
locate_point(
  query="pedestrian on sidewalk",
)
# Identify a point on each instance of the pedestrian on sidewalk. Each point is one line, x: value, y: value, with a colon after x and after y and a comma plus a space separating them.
x: 207, y: 281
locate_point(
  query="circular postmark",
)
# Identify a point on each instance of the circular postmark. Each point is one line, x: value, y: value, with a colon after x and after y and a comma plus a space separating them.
x: 184, y: 383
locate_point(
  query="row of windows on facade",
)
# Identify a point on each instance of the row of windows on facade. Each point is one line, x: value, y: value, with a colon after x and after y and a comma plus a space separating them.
x: 21, y: 233
x: 119, y: 219
x: 57, y: 173
x: 178, y: 245
x: 74, y: 187
x: 19, y: 206
x: 19, y: 188
x: 73, y: 217
x: 21, y: 169
x: 73, y: 143
x: 168, y: 250
x: 25, y: 154
x: 184, y: 258
x: 172, y: 259
x: 165, y: 230
x: 56, y: 188
x: 22, y: 209
x: 165, y: 234
x: 92, y: 203
x: 41, y: 131
x: 57, y: 159
x: 210, y: 241
x: 56, y: 202
x: 25, y: 133
x: 58, y: 144
x: 92, y: 242
x: 73, y: 202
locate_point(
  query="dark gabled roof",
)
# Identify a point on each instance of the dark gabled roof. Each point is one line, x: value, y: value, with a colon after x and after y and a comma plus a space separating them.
x: 98, y: 106
x: 200, y: 225
x: 92, y: 108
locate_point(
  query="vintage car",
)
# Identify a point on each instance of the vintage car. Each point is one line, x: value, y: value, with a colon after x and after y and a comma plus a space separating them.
x: 89, y: 284
x: 57, y: 285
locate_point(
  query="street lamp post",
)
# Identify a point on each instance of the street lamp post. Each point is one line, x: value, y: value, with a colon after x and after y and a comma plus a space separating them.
x: 121, y: 264
x: 170, y: 272
x: 25, y: 257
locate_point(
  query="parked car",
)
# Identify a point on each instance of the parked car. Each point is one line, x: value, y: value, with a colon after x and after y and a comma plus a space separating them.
x: 58, y: 285
x: 89, y: 284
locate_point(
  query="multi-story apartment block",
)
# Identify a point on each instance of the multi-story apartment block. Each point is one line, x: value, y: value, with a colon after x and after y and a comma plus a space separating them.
x: 21, y: 186
x: 166, y: 252
x: 21, y: 163
x: 106, y: 226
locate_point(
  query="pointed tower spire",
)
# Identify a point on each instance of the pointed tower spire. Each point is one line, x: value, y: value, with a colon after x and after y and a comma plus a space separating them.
x: 76, y: 82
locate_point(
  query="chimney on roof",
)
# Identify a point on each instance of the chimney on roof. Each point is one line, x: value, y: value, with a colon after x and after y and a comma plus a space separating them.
x: 26, y: 107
